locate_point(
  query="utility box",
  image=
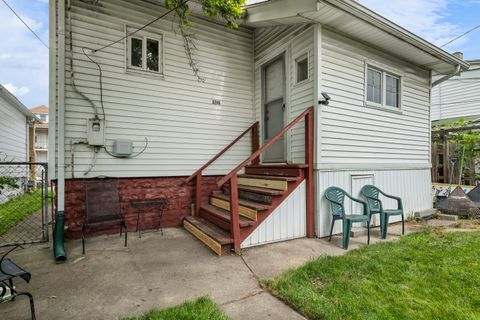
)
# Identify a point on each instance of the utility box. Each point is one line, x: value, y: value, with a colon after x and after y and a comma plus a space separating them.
x: 122, y: 148
x: 96, y: 132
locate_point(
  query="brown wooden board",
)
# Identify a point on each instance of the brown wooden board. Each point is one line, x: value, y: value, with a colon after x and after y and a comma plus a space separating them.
x: 272, y: 171
x: 210, y: 229
x: 209, y: 211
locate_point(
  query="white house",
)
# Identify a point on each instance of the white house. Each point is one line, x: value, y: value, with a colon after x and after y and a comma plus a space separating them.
x: 41, y: 133
x: 459, y: 97
x: 452, y: 100
x: 16, y: 129
x: 375, y: 129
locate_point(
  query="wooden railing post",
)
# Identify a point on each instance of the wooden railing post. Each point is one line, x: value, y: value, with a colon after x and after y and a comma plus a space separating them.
x: 256, y: 141
x: 309, y: 150
x: 198, y: 194
x: 235, y: 219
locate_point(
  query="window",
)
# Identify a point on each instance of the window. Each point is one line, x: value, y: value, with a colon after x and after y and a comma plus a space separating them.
x: 42, y: 117
x: 145, y: 53
x: 301, y: 65
x: 382, y: 88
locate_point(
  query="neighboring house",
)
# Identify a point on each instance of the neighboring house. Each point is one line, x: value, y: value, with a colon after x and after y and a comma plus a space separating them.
x: 458, y: 97
x: 376, y: 129
x: 452, y: 100
x: 41, y: 133
x: 16, y: 129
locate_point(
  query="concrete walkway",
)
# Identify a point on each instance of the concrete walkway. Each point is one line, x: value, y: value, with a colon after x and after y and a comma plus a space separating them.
x: 157, y: 271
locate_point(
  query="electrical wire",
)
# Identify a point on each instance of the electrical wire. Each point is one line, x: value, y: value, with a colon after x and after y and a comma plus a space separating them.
x: 461, y: 36
x: 26, y: 25
x: 129, y: 157
x: 100, y: 75
x: 72, y: 71
x: 140, y: 29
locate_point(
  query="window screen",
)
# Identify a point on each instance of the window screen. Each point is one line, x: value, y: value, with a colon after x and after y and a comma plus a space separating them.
x: 374, y: 86
x: 152, y: 55
x: 392, y: 91
x: 302, y: 68
x: 136, y: 52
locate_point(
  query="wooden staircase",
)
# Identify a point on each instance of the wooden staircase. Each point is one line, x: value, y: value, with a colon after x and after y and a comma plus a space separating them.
x: 243, y: 201
x: 260, y: 190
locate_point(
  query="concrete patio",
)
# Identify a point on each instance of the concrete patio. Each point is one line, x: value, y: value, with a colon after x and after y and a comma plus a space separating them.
x: 155, y: 271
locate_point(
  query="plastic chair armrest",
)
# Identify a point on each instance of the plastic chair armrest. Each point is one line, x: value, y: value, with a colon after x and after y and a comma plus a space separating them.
x: 399, y: 200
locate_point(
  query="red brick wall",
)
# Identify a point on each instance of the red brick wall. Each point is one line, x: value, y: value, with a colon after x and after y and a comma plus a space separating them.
x: 179, y: 195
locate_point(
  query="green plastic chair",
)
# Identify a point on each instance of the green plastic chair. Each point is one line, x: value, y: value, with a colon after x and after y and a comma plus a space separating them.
x: 336, y: 197
x: 371, y: 193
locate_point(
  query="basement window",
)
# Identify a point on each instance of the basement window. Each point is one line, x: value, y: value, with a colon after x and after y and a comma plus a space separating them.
x: 382, y: 88
x: 144, y: 52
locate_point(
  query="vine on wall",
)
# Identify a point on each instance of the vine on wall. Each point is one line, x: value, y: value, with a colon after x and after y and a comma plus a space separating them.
x: 227, y: 10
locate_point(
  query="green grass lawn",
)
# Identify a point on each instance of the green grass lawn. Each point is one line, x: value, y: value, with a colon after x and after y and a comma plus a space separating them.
x: 428, y: 275
x: 18, y: 208
x: 200, y: 309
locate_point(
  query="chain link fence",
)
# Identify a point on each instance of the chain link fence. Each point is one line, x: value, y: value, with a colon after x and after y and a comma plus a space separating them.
x: 25, y: 196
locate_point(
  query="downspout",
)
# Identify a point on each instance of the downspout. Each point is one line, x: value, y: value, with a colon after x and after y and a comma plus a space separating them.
x: 52, y: 81
x: 58, y: 246
x: 448, y: 76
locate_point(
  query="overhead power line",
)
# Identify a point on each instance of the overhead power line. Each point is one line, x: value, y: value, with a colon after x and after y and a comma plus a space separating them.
x: 26, y: 25
x: 146, y: 25
x: 461, y: 36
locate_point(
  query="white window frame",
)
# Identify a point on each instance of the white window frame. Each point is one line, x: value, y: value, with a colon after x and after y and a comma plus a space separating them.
x: 298, y: 57
x: 143, y: 35
x: 385, y: 71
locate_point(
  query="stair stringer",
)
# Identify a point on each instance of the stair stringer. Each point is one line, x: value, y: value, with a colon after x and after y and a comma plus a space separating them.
x: 287, y: 221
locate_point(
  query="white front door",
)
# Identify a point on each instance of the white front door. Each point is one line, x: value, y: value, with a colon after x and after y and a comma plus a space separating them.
x: 274, y: 108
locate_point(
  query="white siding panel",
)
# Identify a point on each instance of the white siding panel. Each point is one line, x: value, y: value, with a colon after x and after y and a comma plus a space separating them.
x: 174, y: 112
x: 413, y: 186
x: 287, y: 222
x: 353, y: 133
x: 294, y: 41
x: 13, y: 132
x: 457, y: 97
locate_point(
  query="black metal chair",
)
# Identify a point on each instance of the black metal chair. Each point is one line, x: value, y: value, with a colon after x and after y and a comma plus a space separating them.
x: 102, y: 206
x: 8, y: 272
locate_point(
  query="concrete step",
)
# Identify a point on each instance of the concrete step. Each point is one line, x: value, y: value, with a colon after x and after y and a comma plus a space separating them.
x: 425, y: 214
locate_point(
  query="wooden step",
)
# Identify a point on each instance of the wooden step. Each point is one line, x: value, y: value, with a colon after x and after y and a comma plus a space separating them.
x: 262, y: 181
x: 246, y: 208
x: 222, y: 217
x: 214, y: 237
x: 292, y: 170
x: 255, y: 194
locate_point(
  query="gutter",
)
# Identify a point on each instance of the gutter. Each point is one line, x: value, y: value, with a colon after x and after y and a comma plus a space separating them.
x: 448, y: 76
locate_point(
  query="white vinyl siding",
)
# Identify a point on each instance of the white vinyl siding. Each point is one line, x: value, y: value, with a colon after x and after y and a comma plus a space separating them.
x: 457, y: 97
x: 287, y: 222
x: 413, y: 186
x: 184, y: 128
x: 13, y: 133
x: 354, y: 135
x: 296, y: 41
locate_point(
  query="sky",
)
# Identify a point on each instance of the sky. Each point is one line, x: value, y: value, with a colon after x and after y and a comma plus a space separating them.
x: 24, y: 59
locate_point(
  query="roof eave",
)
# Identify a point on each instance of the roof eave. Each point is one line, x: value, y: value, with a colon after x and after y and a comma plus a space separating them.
x: 362, y: 12
x: 17, y: 104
